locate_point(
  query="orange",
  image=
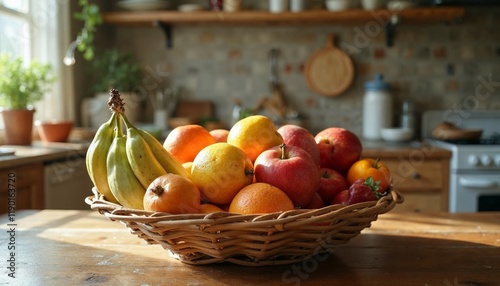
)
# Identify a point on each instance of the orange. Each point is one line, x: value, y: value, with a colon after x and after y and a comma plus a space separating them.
x: 220, y: 135
x: 260, y: 198
x: 220, y: 170
x: 172, y: 193
x: 254, y: 134
x: 209, y: 208
x: 185, y: 141
x: 369, y: 167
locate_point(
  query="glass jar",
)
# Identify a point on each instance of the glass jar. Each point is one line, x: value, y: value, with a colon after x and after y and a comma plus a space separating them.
x: 408, y: 119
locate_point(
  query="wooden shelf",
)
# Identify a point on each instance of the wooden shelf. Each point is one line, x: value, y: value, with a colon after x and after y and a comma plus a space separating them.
x: 407, y: 16
x: 387, y: 18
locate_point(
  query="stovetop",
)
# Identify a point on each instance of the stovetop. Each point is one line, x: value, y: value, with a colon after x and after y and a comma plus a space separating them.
x: 486, y: 120
x: 481, y: 155
x: 493, y: 139
x: 472, y: 157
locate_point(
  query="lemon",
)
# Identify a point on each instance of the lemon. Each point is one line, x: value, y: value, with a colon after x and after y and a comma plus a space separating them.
x: 220, y: 170
x: 253, y: 135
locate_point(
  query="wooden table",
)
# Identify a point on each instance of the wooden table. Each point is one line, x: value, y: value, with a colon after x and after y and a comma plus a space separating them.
x: 85, y: 248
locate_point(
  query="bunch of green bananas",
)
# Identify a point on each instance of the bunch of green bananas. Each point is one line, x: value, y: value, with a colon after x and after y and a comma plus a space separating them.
x: 122, y: 165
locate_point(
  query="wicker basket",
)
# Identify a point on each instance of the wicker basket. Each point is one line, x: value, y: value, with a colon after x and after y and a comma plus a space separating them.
x: 249, y: 240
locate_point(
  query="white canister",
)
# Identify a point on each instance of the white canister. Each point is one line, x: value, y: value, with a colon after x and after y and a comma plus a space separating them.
x: 297, y: 5
x: 278, y: 6
x: 160, y: 119
x: 377, y: 108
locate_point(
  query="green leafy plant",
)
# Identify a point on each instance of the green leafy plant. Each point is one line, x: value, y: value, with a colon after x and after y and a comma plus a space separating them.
x: 117, y: 70
x: 91, y: 17
x: 21, y: 85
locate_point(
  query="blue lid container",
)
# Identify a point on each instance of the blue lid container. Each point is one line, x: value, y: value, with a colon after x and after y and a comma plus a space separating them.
x: 378, y: 83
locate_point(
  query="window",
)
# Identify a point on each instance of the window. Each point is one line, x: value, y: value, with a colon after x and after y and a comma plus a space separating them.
x: 40, y: 29
x: 13, y: 20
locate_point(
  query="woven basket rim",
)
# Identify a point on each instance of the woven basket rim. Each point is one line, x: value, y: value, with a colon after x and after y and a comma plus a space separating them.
x: 117, y: 212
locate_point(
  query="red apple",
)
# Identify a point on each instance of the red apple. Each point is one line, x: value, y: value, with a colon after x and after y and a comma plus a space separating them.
x: 339, y: 148
x: 294, y: 135
x: 290, y: 169
x: 315, y: 203
x: 332, y: 182
x: 342, y: 198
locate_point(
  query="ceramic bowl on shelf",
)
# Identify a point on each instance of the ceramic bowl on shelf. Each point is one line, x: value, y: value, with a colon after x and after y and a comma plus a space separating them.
x: 189, y: 8
x: 143, y: 5
x: 54, y: 131
x: 396, y: 134
x: 400, y: 4
x: 373, y: 4
x: 338, y: 5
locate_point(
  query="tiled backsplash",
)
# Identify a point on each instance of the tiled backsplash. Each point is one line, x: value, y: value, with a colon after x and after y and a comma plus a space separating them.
x: 438, y: 66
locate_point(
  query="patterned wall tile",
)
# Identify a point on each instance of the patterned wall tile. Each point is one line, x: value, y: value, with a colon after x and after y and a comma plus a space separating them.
x: 435, y: 65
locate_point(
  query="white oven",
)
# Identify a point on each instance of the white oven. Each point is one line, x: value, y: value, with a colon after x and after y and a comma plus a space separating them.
x: 471, y: 192
x: 474, y: 165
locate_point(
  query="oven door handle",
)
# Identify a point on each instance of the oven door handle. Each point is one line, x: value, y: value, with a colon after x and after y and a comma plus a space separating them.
x: 476, y: 183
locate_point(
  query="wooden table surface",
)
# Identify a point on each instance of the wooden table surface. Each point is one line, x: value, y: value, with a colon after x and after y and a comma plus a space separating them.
x: 84, y: 248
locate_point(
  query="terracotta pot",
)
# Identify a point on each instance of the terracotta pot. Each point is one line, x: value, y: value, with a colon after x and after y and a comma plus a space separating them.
x: 54, y: 131
x: 18, y: 126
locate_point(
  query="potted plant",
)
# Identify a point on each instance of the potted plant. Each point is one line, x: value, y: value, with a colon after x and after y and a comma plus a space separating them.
x: 114, y: 70
x: 21, y: 86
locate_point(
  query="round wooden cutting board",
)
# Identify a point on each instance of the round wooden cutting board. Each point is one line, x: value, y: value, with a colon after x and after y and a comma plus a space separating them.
x: 329, y: 71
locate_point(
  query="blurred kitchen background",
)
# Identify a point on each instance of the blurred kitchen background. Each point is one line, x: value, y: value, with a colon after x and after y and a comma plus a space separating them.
x: 437, y: 66
x: 433, y: 65
x: 212, y: 73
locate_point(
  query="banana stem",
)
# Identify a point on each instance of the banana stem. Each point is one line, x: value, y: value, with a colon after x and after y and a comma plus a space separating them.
x: 125, y: 119
x: 113, y: 119
x: 119, y: 125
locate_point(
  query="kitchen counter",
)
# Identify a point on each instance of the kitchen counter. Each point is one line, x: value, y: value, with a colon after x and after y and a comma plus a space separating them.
x: 40, y: 152
x: 376, y: 149
x: 85, y: 248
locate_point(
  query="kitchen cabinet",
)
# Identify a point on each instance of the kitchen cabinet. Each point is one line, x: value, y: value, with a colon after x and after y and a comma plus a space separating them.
x: 47, y: 175
x: 424, y: 186
x: 420, y: 174
x: 26, y: 182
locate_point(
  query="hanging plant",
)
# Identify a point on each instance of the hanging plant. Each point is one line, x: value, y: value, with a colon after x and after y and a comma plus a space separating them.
x: 91, y: 17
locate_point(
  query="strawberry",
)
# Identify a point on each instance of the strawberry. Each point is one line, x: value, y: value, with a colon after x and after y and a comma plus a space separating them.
x: 363, y: 190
